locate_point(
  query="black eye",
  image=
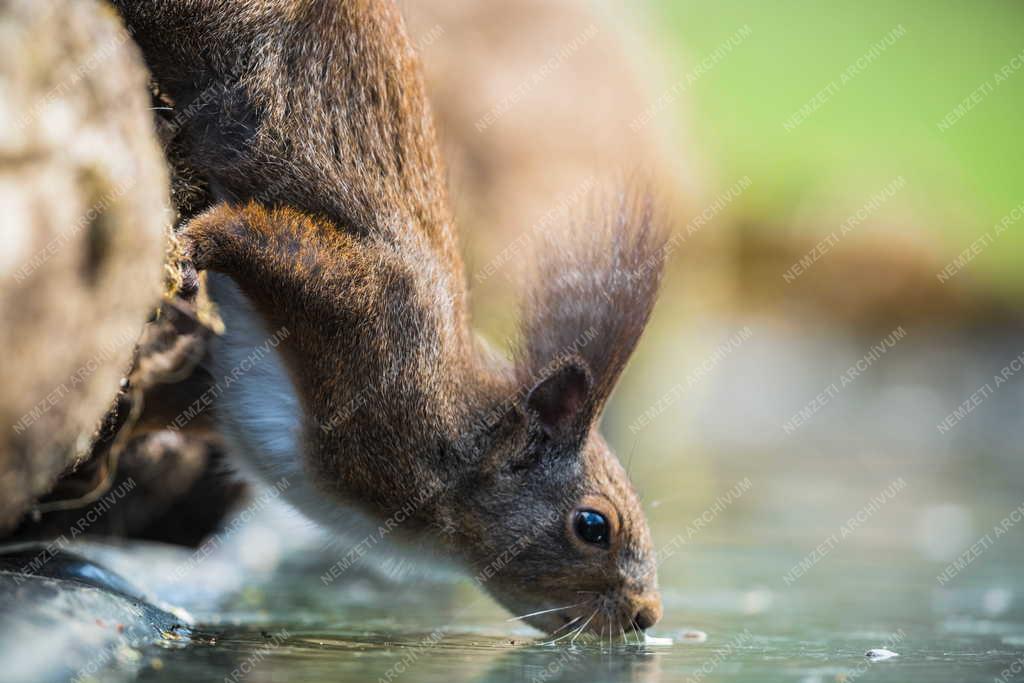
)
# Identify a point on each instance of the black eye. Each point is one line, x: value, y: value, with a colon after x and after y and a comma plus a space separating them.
x: 592, y: 527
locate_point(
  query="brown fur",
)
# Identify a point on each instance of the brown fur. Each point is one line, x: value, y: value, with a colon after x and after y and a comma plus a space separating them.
x: 331, y: 216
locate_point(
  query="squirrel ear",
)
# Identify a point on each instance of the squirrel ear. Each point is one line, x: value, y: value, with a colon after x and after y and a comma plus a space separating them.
x: 559, y: 399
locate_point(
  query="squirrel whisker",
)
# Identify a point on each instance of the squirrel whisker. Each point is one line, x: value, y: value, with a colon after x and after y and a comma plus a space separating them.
x: 545, y: 611
x: 567, y: 624
x: 584, y: 626
x: 639, y: 639
x: 572, y: 632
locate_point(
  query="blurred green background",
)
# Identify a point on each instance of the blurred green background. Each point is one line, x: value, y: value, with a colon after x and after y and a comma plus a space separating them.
x: 883, y: 123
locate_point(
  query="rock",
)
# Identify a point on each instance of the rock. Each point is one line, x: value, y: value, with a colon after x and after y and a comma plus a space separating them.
x: 67, y: 618
x: 83, y: 191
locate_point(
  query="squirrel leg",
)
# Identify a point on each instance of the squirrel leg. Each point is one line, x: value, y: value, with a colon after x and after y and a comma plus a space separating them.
x: 295, y: 269
x: 270, y: 253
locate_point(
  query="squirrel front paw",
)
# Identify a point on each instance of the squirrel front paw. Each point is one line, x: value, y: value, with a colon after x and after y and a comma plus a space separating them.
x: 193, y: 245
x: 206, y: 239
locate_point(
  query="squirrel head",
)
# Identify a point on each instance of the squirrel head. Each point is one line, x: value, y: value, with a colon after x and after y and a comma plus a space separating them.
x: 553, y: 527
x: 550, y: 524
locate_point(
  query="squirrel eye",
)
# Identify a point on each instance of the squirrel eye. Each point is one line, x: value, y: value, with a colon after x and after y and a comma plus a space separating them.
x: 592, y: 527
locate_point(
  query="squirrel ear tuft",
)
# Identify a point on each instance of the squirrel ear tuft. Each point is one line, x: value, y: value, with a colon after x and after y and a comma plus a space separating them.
x: 559, y: 400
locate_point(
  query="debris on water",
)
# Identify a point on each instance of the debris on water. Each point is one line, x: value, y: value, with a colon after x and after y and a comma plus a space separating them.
x: 655, y: 640
x: 880, y: 654
x: 694, y: 636
x: 171, y: 634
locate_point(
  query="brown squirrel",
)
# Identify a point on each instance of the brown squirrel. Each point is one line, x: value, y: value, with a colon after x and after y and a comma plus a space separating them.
x: 305, y: 127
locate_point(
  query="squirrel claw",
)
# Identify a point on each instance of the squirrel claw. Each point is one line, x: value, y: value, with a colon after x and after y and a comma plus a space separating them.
x: 189, y: 279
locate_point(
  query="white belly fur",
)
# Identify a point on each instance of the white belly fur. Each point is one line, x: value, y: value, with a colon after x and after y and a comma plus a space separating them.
x: 259, y: 416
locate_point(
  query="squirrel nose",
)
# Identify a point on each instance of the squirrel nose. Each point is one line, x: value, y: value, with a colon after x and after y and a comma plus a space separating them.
x: 648, y: 613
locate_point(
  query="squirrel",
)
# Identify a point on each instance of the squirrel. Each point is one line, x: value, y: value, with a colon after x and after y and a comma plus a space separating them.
x: 330, y: 251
